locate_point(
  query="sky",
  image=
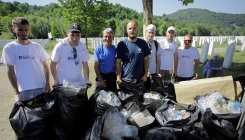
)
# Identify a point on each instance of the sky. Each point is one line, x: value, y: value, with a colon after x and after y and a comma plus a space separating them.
x: 161, y: 7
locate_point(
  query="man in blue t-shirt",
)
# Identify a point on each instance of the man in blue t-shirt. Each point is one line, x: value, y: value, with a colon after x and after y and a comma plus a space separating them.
x: 132, y: 56
x: 105, y: 60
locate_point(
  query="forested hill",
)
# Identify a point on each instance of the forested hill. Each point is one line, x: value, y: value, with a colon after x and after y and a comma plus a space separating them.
x: 49, y: 18
x: 206, y: 16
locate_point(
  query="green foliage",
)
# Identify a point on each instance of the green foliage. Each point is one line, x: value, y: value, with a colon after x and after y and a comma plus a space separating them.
x: 88, y: 14
x: 224, y: 20
x: 55, y: 32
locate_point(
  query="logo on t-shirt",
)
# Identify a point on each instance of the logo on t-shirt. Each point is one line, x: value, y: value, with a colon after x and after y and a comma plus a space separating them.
x: 71, y: 58
x: 139, y: 50
x: 186, y: 56
x: 27, y: 57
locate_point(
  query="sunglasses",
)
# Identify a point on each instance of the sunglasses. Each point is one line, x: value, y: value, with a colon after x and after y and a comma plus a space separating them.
x: 189, y: 41
x: 74, y: 53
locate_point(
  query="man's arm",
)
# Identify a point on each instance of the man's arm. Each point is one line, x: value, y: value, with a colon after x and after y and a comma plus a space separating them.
x: 54, y: 73
x: 158, y: 64
x: 146, y: 67
x: 118, y: 69
x: 97, y: 72
x: 46, y: 73
x: 12, y: 78
x: 86, y: 72
x: 196, y: 68
x: 175, y: 62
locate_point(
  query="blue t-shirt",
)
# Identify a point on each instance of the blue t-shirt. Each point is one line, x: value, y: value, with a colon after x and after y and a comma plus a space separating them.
x: 106, y: 57
x: 132, y: 55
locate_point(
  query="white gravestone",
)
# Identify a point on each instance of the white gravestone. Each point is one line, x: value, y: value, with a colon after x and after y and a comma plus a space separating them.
x: 204, y: 53
x: 243, y: 46
x: 229, y: 55
x: 211, y: 48
x: 194, y: 43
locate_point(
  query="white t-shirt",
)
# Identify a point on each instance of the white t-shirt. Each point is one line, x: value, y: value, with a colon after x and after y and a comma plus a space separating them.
x: 68, y: 67
x: 186, y: 59
x: 27, y: 61
x: 152, y: 58
x: 166, y: 52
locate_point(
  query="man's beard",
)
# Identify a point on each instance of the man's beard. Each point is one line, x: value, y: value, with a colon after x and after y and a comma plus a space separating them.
x: 23, y: 37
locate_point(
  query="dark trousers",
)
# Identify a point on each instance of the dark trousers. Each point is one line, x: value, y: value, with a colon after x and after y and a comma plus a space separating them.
x: 148, y: 82
x: 179, y: 79
x: 110, y: 80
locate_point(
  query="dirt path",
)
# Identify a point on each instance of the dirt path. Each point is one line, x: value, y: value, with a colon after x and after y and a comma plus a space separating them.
x: 7, y: 99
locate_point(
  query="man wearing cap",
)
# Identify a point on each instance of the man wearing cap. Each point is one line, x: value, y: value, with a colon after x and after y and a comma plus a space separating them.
x: 132, y: 57
x: 150, y: 33
x: 166, y: 56
x: 187, y: 56
x: 213, y: 67
x: 69, y: 57
x: 105, y: 61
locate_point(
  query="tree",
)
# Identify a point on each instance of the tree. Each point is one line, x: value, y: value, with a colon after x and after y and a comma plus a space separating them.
x: 89, y: 14
x: 148, y: 14
x: 55, y: 31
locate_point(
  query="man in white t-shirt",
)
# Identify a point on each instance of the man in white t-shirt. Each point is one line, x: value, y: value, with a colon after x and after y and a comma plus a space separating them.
x: 166, y: 56
x: 188, y: 56
x: 153, y: 45
x: 28, y: 71
x: 69, y: 57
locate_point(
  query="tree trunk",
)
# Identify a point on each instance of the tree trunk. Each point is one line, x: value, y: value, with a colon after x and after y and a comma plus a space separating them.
x: 147, y: 14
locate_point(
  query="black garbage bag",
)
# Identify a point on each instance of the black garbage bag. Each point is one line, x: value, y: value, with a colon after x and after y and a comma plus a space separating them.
x: 169, y: 133
x: 160, y: 134
x: 73, y: 116
x: 174, y: 114
x: 111, y: 125
x: 152, y: 101
x: 34, y: 122
x: 103, y: 100
x: 167, y: 92
x: 139, y: 116
x: 130, y: 90
x: 219, y: 130
x: 231, y: 117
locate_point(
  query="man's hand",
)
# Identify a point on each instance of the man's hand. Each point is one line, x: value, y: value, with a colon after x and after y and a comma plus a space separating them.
x: 47, y: 88
x: 119, y: 81
x: 144, y: 78
x: 196, y: 76
x: 159, y: 75
x: 102, y: 83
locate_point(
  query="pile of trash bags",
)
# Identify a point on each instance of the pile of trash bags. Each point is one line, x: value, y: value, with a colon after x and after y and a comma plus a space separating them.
x: 131, y: 113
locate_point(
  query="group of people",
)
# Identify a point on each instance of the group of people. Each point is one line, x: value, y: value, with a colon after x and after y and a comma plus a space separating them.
x: 131, y: 60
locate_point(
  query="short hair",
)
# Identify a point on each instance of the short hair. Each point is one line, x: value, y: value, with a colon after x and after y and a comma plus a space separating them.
x: 108, y: 30
x: 189, y: 35
x: 133, y: 21
x: 19, y: 20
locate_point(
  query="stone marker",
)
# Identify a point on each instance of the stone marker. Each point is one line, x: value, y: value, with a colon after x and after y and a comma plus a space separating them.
x: 204, y: 53
x: 243, y: 46
x: 229, y: 55
x: 211, y: 48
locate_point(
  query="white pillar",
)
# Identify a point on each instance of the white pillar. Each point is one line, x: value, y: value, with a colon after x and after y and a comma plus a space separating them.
x: 211, y: 48
x: 204, y: 53
x: 229, y: 55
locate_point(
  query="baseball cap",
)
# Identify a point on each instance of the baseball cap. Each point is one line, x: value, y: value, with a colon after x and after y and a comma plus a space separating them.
x: 216, y: 54
x: 74, y: 28
x: 151, y: 27
x: 171, y: 28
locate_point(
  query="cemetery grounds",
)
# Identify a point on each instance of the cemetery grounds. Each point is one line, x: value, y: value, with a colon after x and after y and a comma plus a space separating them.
x: 7, y: 94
